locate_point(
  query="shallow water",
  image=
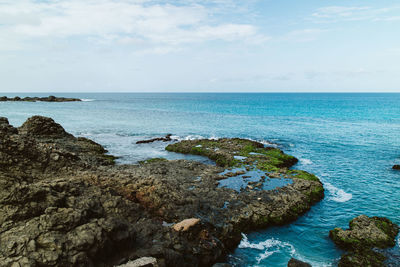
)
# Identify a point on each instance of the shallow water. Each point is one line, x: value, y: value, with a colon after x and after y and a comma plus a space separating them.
x: 241, y: 181
x: 349, y: 140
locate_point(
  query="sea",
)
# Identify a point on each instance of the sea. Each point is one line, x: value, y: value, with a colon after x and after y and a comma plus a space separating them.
x: 349, y: 140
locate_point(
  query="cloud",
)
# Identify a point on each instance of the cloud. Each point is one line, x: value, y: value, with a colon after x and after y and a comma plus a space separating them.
x: 304, y: 35
x: 138, y: 22
x: 331, y: 14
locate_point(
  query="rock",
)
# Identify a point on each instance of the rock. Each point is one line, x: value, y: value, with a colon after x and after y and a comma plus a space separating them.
x: 167, y: 138
x: 43, y: 126
x: 63, y: 201
x: 185, y: 225
x: 40, y: 99
x: 396, y: 167
x: 142, y: 262
x: 222, y: 265
x: 365, y: 234
x: 296, y: 263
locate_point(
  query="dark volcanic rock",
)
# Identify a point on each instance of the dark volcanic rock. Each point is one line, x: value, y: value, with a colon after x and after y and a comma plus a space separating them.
x: 396, y: 167
x: 40, y: 99
x: 364, y: 234
x: 64, y: 203
x: 166, y: 138
x: 43, y: 127
x: 296, y: 263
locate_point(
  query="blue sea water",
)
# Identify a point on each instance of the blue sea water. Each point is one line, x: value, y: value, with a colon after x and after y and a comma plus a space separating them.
x: 349, y: 140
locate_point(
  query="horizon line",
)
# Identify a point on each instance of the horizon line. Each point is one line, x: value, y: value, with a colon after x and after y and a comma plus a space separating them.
x: 210, y: 92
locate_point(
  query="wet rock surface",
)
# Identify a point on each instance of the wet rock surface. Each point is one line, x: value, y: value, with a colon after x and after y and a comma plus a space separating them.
x: 364, y: 235
x: 39, y: 99
x: 63, y: 202
x: 296, y: 263
x: 166, y: 138
x: 396, y: 167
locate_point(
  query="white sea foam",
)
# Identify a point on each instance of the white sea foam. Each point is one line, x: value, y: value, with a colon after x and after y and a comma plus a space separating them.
x: 306, y: 161
x: 87, y: 100
x: 267, y: 143
x: 337, y: 194
x: 191, y: 137
x: 269, y: 247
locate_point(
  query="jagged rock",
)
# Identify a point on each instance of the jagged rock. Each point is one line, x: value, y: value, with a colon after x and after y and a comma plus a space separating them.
x: 185, y: 225
x: 296, y: 263
x: 364, y: 234
x: 43, y: 127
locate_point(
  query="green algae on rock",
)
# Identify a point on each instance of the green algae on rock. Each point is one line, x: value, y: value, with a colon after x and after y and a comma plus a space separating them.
x: 364, y: 234
x: 223, y: 152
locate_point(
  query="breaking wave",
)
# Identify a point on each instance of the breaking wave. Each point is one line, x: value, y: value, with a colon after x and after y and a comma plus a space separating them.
x: 269, y: 247
x: 337, y: 194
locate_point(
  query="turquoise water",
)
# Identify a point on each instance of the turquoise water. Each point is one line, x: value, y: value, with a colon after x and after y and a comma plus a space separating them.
x: 349, y: 140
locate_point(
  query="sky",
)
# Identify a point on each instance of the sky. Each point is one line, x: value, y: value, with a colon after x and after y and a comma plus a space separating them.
x: 200, y: 46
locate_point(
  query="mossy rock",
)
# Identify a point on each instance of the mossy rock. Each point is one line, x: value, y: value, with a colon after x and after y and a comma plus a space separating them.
x: 223, y: 152
x: 362, y: 258
x: 366, y: 232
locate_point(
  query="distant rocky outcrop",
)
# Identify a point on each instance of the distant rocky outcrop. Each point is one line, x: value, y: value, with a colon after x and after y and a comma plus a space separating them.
x: 39, y: 99
x: 365, y: 234
x: 63, y: 201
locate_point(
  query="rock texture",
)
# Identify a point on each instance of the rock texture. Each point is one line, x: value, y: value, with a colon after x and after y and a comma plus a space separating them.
x: 166, y: 138
x: 63, y: 202
x: 40, y: 99
x: 365, y: 234
x: 296, y: 263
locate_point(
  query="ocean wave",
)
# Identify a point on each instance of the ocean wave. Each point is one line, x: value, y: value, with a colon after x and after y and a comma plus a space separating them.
x: 87, y: 100
x: 266, y: 143
x: 306, y: 161
x: 269, y: 246
x: 338, y: 195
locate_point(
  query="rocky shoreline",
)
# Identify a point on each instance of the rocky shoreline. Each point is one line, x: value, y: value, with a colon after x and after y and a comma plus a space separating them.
x: 39, y: 99
x: 64, y: 202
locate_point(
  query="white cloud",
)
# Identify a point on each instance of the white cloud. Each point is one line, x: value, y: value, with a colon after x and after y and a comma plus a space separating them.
x: 351, y: 13
x: 304, y: 35
x: 124, y: 22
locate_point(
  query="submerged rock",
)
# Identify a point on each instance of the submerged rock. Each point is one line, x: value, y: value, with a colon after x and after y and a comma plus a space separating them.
x: 64, y: 203
x: 296, y: 263
x: 364, y: 234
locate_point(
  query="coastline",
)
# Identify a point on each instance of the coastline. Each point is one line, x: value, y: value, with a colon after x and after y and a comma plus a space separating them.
x: 159, y: 192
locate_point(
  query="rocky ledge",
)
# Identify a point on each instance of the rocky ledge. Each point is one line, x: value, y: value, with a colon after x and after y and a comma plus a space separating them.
x: 63, y: 202
x: 360, y: 240
x: 39, y: 99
